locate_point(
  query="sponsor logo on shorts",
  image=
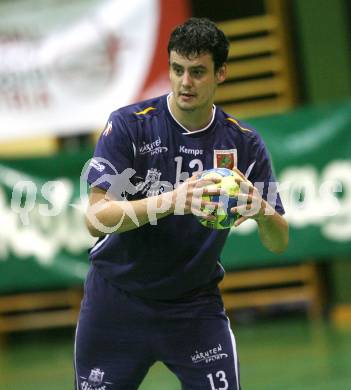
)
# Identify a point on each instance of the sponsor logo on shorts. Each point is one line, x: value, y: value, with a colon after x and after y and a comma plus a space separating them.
x: 209, y: 356
x: 95, y: 381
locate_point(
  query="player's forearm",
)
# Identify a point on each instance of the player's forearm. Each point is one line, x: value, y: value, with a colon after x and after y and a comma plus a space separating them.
x: 273, y: 232
x: 122, y: 216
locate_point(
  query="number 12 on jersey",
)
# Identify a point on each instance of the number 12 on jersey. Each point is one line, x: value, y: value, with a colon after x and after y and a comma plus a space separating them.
x: 182, y: 176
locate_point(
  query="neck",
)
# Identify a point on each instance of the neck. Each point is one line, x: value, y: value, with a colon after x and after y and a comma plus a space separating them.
x: 192, y: 120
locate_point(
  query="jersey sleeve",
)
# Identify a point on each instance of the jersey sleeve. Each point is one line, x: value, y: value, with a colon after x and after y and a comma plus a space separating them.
x: 263, y: 178
x: 113, y: 157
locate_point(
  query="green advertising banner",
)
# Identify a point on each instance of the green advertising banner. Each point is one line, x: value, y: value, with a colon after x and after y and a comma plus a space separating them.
x: 44, y: 243
x: 311, y: 152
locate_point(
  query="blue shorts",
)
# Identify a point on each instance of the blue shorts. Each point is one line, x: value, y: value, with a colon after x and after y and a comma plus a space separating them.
x: 120, y: 336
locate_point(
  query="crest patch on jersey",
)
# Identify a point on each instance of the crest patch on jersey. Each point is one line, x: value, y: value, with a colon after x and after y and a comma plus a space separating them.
x: 225, y: 158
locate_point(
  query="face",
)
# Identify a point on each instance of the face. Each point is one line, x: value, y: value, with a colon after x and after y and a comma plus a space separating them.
x: 194, y: 81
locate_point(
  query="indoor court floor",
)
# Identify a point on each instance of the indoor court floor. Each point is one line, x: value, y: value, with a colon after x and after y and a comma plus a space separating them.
x: 290, y: 353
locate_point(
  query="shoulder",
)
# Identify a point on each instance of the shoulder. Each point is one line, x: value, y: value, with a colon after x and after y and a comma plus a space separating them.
x: 139, y: 111
x: 241, y: 129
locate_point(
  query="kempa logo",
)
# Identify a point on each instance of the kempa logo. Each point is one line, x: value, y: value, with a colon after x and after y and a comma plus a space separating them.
x: 209, y: 356
x: 108, y: 129
x: 153, y: 147
x: 194, y: 152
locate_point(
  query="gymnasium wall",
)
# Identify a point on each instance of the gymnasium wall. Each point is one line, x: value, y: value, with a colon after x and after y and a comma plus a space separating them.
x: 323, y: 33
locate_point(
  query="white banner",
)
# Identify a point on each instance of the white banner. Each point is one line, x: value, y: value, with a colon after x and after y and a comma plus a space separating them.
x: 65, y: 65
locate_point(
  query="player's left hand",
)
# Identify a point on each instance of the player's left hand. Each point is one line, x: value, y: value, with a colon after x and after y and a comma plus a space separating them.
x: 250, y: 202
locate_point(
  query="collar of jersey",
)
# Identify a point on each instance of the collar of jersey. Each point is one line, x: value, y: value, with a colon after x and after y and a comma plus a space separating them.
x: 186, y: 131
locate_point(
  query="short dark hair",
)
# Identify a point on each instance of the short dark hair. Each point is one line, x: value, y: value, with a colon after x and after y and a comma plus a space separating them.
x: 199, y: 36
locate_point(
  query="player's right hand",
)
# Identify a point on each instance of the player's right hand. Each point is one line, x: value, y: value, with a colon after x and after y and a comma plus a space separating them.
x: 188, y: 197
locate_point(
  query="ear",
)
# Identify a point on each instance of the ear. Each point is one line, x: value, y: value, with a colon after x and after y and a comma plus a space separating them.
x: 221, y: 73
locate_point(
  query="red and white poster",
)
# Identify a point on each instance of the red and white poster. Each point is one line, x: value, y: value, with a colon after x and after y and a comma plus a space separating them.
x: 64, y: 66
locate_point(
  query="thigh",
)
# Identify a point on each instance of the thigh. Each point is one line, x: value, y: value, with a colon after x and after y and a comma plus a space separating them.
x: 203, y: 355
x: 110, y: 348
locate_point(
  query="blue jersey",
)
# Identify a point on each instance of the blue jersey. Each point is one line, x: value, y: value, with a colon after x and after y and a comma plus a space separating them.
x: 177, y: 256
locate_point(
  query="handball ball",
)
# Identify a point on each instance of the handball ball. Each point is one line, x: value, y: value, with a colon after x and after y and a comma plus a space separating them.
x: 224, y: 218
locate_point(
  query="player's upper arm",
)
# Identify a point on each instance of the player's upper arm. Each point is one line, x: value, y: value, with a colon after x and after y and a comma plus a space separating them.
x: 113, y: 155
x: 96, y: 195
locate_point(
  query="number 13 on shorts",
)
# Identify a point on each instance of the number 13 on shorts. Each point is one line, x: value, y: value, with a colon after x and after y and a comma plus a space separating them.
x: 221, y: 380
